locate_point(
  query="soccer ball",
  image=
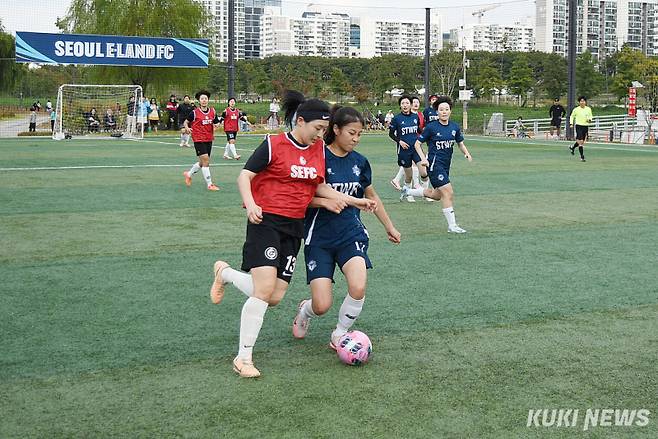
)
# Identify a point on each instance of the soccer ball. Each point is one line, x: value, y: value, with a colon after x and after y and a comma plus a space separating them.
x: 354, y: 348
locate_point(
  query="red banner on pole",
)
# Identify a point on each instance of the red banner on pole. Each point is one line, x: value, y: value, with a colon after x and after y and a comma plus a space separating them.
x: 632, y: 102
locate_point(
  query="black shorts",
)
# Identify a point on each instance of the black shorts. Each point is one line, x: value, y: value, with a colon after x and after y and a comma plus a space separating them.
x: 557, y: 123
x: 231, y: 135
x: 203, y: 148
x: 581, y: 132
x: 268, y: 244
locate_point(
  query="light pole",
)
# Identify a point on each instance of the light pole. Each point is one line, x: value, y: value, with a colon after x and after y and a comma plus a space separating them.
x: 464, y: 98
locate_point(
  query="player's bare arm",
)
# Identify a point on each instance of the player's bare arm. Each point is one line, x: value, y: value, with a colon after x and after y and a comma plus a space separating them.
x: 464, y: 150
x: 254, y: 211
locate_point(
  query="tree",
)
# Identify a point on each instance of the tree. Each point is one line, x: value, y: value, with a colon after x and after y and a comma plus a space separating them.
x: 338, y: 83
x: 521, y: 79
x: 633, y: 65
x: 554, y: 75
x: 10, y: 72
x: 485, y: 78
x: 161, y: 18
x: 447, y: 68
x: 589, y: 81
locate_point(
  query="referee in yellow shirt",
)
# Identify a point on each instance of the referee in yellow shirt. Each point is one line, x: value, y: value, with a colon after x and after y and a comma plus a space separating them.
x: 582, y: 116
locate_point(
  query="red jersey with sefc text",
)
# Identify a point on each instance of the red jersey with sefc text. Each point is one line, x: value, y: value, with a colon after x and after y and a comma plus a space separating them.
x: 231, y: 119
x: 202, y: 124
x: 287, y: 174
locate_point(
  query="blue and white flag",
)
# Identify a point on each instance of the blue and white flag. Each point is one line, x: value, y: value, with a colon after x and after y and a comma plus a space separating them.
x: 42, y: 48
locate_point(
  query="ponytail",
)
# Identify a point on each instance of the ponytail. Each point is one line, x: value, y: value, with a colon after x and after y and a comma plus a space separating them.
x: 296, y: 105
x: 341, y: 116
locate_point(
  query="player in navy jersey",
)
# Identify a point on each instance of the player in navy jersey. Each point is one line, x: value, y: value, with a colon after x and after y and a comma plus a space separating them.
x: 430, y: 113
x: 441, y: 138
x: 415, y: 106
x: 340, y: 239
x: 404, y: 130
x: 277, y: 184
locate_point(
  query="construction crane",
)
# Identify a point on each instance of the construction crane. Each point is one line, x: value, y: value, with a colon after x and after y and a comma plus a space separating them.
x: 480, y: 12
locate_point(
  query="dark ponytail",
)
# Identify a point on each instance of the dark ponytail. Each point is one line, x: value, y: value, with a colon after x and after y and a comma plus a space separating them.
x: 294, y: 103
x: 440, y: 100
x: 341, y: 116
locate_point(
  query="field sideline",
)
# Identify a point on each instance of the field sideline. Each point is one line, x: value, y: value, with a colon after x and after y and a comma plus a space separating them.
x: 550, y: 301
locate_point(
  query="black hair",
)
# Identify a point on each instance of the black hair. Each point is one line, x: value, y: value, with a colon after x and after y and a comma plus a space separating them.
x: 186, y: 96
x: 229, y: 99
x: 582, y: 98
x: 520, y: 117
x: 341, y: 116
x: 440, y: 100
x: 415, y: 98
x: 202, y: 92
x: 404, y: 97
x: 294, y: 102
x: 557, y: 99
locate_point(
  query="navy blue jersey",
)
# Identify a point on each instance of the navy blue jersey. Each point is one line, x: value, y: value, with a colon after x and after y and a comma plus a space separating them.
x: 350, y: 175
x: 405, y: 127
x: 431, y: 115
x: 441, y: 140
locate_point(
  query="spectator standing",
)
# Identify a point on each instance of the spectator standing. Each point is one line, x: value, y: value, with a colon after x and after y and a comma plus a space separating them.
x: 33, y: 119
x: 183, y: 111
x: 556, y: 112
x: 154, y: 115
x: 130, y: 117
x: 172, y: 119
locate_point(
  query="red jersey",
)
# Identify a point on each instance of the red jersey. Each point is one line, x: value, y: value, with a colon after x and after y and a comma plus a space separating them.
x: 231, y: 119
x: 202, y: 124
x: 421, y: 122
x: 287, y: 184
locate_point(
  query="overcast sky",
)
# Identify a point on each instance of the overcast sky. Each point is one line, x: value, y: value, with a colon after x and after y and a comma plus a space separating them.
x: 40, y: 16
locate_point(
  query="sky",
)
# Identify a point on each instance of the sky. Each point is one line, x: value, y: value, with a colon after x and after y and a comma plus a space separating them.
x: 19, y: 15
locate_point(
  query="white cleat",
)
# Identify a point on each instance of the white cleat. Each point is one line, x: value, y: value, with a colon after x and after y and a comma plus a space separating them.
x: 410, y: 199
x: 456, y: 229
x: 403, y: 193
x: 431, y: 200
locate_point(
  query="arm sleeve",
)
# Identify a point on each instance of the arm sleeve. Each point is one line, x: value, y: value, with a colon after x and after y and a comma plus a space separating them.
x: 190, y: 116
x: 366, y: 175
x: 392, y: 131
x: 259, y: 159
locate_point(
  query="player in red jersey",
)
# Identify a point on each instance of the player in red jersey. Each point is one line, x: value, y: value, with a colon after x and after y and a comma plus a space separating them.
x: 231, y: 118
x: 203, y: 121
x: 277, y: 184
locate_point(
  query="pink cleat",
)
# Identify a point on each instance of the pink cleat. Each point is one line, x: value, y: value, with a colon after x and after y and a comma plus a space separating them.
x: 245, y: 369
x: 217, y: 288
x: 299, y: 327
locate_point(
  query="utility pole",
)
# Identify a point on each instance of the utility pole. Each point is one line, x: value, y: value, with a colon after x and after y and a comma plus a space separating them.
x: 231, y: 48
x: 571, y: 98
x: 464, y: 101
x: 427, y: 57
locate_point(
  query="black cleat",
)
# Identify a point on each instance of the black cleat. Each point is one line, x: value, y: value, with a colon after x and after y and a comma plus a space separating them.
x: 583, y: 160
x: 571, y: 149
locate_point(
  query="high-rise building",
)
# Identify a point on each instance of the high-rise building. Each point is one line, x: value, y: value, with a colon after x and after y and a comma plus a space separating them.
x: 603, y: 26
x: 320, y: 33
x: 382, y: 37
x: 219, y: 28
x: 253, y: 11
x: 494, y: 37
x: 276, y: 36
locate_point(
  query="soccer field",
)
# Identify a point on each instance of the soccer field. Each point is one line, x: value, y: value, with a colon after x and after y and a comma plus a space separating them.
x: 550, y: 301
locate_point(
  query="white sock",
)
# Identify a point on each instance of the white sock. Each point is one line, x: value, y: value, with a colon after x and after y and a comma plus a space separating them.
x: 349, y: 312
x: 233, y: 151
x: 182, y: 138
x: 187, y: 139
x: 306, y: 312
x: 226, y: 149
x: 206, y: 174
x: 194, y: 169
x: 414, y: 178
x: 425, y: 183
x: 418, y: 192
x: 253, y: 312
x: 399, y: 175
x: 241, y: 281
x: 449, y: 213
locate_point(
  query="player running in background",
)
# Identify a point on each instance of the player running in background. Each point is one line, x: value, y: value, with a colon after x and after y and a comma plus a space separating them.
x: 582, y: 116
x: 277, y: 184
x: 441, y: 138
x: 415, y: 106
x: 404, y: 130
x: 429, y: 113
x: 231, y: 117
x: 201, y: 124
x: 556, y: 112
x: 340, y: 239
x: 182, y: 112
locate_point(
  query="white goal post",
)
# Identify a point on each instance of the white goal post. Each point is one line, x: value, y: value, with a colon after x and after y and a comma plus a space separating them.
x: 102, y: 111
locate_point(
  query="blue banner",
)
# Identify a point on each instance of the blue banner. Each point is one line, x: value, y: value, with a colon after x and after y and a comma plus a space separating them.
x: 33, y: 47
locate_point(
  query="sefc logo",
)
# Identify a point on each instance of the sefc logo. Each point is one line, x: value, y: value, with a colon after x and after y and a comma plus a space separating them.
x: 302, y: 171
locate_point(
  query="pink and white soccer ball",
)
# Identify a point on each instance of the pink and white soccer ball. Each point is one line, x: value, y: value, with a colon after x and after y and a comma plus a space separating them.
x: 354, y: 348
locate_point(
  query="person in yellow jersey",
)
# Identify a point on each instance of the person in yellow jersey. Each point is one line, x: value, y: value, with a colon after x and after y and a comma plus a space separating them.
x: 582, y: 116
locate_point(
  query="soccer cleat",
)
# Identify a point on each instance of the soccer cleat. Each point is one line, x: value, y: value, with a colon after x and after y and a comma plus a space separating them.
x: 188, y: 178
x: 431, y: 200
x: 212, y: 187
x: 396, y: 185
x: 300, y: 327
x: 583, y: 160
x: 182, y: 144
x: 410, y: 199
x: 245, y: 368
x: 571, y: 149
x: 227, y: 157
x: 456, y: 229
x: 335, y: 339
x: 403, y: 192
x: 217, y: 287
x: 237, y: 157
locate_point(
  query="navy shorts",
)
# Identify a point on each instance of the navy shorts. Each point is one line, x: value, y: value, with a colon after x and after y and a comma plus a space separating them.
x: 407, y: 156
x: 321, y: 262
x: 231, y: 135
x: 439, y: 173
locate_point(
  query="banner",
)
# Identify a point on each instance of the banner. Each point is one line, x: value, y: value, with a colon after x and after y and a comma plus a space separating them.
x: 632, y: 102
x: 41, y: 48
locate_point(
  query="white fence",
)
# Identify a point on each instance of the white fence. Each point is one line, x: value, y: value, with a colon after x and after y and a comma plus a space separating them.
x: 617, y: 128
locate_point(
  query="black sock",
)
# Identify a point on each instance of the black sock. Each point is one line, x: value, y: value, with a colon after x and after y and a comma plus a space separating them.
x: 580, y: 150
x: 575, y: 145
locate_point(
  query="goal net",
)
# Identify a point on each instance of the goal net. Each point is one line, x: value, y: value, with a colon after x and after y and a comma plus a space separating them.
x: 99, y: 110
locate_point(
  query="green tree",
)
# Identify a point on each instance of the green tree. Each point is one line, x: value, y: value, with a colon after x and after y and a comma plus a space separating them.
x: 589, y: 81
x: 339, y: 84
x: 10, y: 72
x: 521, y: 80
x: 155, y: 18
x: 446, y: 67
x: 485, y: 79
x: 554, y: 76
